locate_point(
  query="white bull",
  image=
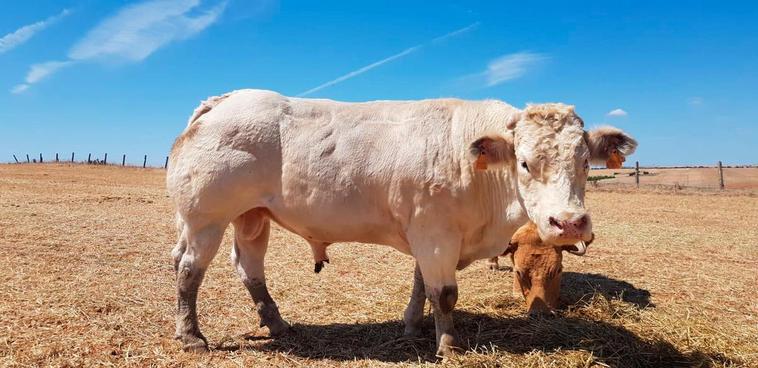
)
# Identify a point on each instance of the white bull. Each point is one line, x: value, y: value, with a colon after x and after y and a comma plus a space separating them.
x: 446, y: 181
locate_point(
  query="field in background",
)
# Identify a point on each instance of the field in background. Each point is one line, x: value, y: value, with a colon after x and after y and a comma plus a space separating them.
x: 87, y: 280
x: 686, y: 177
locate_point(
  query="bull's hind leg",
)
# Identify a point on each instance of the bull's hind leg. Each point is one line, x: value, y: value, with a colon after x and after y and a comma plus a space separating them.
x: 414, y: 312
x: 201, y: 246
x: 251, y: 232
x: 181, y: 244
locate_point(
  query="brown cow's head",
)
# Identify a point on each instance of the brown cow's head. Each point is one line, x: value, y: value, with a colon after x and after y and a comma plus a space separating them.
x: 537, y: 268
x: 552, y: 152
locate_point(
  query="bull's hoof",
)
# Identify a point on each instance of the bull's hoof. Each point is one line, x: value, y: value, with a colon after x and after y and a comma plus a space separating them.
x: 412, y: 331
x: 194, y: 344
x: 448, y: 346
x: 278, y: 328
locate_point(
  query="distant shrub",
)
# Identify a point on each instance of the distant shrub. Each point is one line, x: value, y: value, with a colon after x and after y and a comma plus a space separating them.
x: 600, y: 177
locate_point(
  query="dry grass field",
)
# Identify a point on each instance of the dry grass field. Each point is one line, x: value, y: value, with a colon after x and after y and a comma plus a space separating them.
x: 704, y: 177
x: 87, y: 280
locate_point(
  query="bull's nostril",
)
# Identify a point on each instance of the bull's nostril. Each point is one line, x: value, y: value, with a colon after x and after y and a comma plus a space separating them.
x: 554, y: 222
x: 582, y: 221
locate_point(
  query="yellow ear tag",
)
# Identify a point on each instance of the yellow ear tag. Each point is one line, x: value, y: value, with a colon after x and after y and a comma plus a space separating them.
x: 481, y: 162
x: 615, y: 160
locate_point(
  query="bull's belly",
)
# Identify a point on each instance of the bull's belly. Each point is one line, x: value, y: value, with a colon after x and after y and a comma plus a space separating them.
x: 330, y: 225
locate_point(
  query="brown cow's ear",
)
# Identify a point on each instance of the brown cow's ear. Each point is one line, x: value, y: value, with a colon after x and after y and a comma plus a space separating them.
x: 511, y: 248
x: 492, y: 151
x: 609, y: 145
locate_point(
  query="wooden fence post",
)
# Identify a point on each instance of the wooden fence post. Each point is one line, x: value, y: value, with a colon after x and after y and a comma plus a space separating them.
x: 72, y: 157
x: 165, y: 165
x: 123, y: 160
x: 27, y: 158
x: 56, y: 157
x: 721, y: 177
x: 105, y: 159
x: 144, y: 162
x: 14, y: 157
x: 40, y: 158
x: 89, y: 158
x: 637, y: 173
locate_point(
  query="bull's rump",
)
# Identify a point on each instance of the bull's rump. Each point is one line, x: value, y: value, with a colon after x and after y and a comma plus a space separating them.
x: 326, y: 170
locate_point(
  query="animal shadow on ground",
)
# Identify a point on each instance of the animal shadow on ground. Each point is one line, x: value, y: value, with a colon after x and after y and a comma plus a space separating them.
x: 609, y: 343
x: 577, y: 288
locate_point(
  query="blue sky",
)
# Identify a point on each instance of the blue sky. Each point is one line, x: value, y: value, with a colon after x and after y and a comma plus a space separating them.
x: 123, y: 77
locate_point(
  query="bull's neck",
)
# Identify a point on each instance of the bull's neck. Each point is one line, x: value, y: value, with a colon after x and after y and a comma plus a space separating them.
x: 495, y: 193
x: 493, y: 190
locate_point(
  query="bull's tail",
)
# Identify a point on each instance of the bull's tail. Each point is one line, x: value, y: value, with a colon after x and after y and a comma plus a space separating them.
x: 206, y: 106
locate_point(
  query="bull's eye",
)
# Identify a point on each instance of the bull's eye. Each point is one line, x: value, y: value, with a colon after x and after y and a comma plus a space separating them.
x: 586, y: 164
x: 525, y: 166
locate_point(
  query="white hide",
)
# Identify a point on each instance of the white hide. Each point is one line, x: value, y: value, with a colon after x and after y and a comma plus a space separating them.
x: 377, y: 172
x: 397, y: 173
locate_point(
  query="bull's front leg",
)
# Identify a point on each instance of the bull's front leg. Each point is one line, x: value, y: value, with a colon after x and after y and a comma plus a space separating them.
x: 443, y: 301
x: 437, y: 257
x: 414, y: 313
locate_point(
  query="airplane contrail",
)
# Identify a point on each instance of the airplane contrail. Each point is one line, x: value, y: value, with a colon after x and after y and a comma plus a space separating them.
x: 388, y: 59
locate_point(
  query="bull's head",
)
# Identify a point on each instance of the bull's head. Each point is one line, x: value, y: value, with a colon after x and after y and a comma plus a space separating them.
x: 552, y: 153
x: 537, y: 268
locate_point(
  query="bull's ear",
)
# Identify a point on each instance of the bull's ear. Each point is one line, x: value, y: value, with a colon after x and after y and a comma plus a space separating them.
x: 609, y: 145
x: 492, y: 151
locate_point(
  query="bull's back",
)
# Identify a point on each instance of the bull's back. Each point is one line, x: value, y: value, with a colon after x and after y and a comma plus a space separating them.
x: 349, y: 172
x: 328, y: 171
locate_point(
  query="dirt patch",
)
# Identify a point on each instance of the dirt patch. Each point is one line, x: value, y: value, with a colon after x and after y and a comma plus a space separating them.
x: 87, y: 280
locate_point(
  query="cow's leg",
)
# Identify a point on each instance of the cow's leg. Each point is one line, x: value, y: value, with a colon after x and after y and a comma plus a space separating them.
x: 414, y: 313
x: 201, y: 246
x: 181, y: 245
x: 493, y: 263
x: 437, y: 254
x: 251, y: 232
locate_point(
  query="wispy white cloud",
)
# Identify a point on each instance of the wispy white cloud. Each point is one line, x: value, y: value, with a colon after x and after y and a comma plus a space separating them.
x: 25, y: 33
x: 136, y: 31
x: 388, y: 59
x: 695, y: 101
x: 617, y: 112
x: 37, y: 72
x: 19, y: 88
x: 132, y: 34
x: 510, y: 67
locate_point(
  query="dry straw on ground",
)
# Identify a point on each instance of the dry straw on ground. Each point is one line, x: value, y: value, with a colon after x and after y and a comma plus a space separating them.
x: 87, y: 281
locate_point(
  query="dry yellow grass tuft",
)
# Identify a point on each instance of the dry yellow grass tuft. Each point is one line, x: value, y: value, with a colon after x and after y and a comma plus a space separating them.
x: 87, y: 280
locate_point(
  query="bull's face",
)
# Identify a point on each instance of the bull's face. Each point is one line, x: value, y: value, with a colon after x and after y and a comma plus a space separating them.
x: 537, y: 269
x: 552, y: 153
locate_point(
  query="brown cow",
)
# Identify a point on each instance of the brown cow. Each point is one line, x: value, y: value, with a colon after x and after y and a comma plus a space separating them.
x: 537, y: 268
